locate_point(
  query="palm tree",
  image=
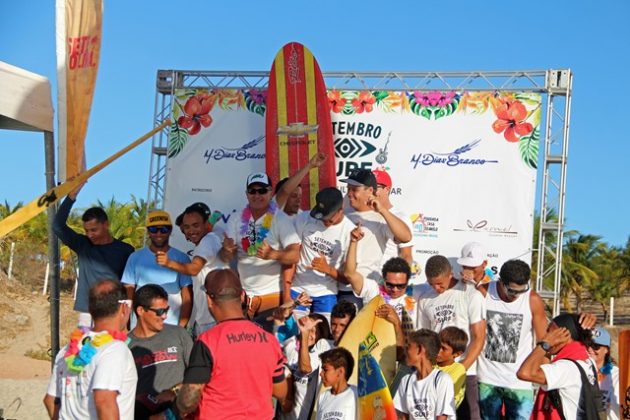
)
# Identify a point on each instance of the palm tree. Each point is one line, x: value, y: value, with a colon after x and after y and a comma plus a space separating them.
x: 577, y: 266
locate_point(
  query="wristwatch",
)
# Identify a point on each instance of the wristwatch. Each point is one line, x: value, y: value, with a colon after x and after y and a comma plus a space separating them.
x: 544, y: 345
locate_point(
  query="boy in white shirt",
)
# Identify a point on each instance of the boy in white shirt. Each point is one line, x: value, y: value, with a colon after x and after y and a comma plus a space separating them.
x: 426, y: 393
x: 340, y: 401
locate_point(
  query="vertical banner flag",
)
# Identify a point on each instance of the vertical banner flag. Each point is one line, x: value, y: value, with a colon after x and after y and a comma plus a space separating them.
x: 79, y: 24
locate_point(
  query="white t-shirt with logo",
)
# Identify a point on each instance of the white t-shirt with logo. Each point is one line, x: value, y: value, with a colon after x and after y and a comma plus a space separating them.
x: 426, y: 398
x: 332, y: 242
x: 391, y: 248
x: 208, y: 249
x: 343, y: 406
x: 371, y: 247
x: 460, y: 306
x: 262, y: 277
x: 564, y: 376
x: 111, y: 369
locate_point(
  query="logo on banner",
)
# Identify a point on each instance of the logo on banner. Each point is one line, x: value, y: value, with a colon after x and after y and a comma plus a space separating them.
x: 238, y: 154
x: 425, y: 226
x: 354, y: 145
x: 483, y: 226
x: 454, y: 158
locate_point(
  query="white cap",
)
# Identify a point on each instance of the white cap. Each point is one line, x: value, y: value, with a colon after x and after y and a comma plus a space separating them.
x: 258, y: 178
x: 473, y: 255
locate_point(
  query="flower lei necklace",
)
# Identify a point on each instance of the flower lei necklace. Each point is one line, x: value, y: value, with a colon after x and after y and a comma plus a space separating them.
x: 83, y: 348
x: 250, y: 247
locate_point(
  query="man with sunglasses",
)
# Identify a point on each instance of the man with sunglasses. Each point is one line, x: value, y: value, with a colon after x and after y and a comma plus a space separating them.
x: 514, y: 314
x: 160, y: 352
x: 142, y: 269
x: 263, y: 240
x: 399, y: 308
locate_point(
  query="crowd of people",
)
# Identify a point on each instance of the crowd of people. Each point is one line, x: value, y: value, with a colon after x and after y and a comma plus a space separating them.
x: 249, y: 324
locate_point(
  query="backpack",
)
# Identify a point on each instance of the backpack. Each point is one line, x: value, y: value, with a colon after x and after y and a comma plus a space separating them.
x: 590, y: 405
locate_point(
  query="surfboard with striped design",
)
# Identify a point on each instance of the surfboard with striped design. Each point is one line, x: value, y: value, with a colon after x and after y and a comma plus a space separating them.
x: 298, y: 122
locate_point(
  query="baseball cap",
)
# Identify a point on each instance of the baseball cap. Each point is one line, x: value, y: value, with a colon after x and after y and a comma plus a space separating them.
x: 473, y: 255
x: 159, y: 218
x: 382, y: 178
x: 258, y: 178
x: 361, y: 178
x: 601, y: 337
x: 327, y: 202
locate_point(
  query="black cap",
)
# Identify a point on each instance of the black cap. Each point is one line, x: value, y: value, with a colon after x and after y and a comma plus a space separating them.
x: 327, y: 202
x: 361, y: 178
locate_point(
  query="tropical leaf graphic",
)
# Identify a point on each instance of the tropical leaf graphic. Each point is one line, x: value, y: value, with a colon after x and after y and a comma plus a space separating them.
x: 177, y: 139
x: 253, y: 106
x: 528, y: 147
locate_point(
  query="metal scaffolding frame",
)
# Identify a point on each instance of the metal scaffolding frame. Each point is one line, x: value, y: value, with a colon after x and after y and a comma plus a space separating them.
x: 554, y: 86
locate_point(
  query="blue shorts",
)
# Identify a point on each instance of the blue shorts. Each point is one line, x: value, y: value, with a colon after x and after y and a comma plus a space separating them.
x: 321, y: 304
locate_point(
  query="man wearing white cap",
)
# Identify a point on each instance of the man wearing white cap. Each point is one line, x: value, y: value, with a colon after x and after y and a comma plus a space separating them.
x: 473, y: 261
x: 263, y: 239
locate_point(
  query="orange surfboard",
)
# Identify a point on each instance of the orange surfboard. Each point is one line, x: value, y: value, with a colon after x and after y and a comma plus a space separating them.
x: 298, y: 122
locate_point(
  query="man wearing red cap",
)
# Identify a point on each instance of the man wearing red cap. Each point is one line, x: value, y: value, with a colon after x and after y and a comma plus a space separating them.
x: 392, y: 249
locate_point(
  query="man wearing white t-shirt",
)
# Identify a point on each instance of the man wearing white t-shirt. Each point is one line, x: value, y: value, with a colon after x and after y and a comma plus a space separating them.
x: 392, y: 249
x: 399, y: 309
x: 100, y: 383
x: 445, y: 301
x: 205, y: 258
x: 262, y: 238
x: 325, y: 236
x: 567, y: 342
x: 379, y: 223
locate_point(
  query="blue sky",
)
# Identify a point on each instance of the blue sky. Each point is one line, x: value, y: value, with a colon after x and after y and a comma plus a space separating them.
x: 140, y: 37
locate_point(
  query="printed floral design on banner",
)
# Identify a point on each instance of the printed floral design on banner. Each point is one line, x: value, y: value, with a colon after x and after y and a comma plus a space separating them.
x: 433, y: 104
x: 192, y: 108
x: 517, y: 113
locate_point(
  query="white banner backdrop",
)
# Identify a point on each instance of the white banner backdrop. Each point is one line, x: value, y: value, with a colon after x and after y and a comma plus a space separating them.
x: 462, y: 163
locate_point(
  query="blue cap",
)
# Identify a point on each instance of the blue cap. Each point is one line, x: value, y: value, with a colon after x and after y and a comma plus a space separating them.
x: 601, y: 337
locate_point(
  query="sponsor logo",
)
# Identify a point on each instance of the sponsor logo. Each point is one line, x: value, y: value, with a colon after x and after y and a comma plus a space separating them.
x: 355, y: 146
x: 239, y: 154
x: 483, y: 226
x: 425, y: 226
x: 427, y: 251
x: 454, y: 158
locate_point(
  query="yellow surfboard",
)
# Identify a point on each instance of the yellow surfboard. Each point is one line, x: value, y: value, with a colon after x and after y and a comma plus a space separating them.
x: 367, y: 322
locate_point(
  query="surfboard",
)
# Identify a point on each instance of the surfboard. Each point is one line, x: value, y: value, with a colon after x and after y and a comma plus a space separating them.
x: 364, y: 324
x: 297, y: 121
x: 624, y: 374
x: 375, y: 400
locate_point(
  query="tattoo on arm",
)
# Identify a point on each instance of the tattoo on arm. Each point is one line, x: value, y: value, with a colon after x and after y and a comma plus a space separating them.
x: 188, y: 398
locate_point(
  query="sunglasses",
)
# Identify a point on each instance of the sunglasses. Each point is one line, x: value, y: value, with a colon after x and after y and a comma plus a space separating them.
x: 261, y: 191
x: 159, y: 311
x: 395, y: 286
x: 514, y: 292
x: 161, y: 229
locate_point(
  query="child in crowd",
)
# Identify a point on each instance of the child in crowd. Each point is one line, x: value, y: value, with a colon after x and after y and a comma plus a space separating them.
x: 453, y: 342
x: 427, y: 392
x: 340, y: 401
